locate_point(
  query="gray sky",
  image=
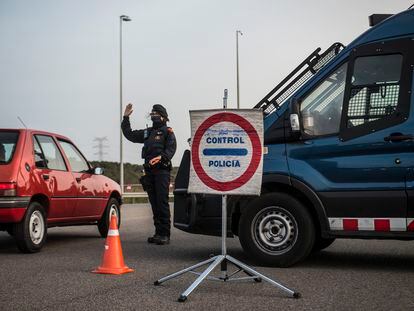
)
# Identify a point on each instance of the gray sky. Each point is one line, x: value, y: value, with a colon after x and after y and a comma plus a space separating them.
x: 59, y: 60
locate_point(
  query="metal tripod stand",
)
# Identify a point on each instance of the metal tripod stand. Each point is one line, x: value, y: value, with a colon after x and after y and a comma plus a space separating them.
x: 222, y: 260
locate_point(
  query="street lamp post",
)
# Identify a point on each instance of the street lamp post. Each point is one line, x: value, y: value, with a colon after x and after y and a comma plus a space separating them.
x: 122, y: 18
x: 237, y: 65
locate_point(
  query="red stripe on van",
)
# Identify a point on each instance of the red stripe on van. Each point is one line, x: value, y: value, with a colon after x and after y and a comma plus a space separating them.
x: 382, y: 224
x: 350, y: 224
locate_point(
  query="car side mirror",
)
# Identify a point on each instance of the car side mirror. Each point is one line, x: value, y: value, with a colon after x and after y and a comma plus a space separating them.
x: 98, y: 171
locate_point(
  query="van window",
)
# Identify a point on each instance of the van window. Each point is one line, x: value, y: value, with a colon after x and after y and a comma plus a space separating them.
x: 321, y: 109
x: 8, y: 141
x: 375, y: 88
x: 51, y: 153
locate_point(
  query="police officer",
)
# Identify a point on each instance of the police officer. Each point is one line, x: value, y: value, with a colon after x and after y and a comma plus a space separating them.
x: 159, y: 148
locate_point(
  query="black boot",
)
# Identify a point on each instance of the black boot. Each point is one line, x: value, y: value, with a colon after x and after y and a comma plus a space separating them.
x: 163, y: 240
x: 153, y: 239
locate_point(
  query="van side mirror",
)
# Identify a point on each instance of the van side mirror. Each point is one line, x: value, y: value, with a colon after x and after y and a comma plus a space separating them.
x: 294, y: 120
x: 98, y: 171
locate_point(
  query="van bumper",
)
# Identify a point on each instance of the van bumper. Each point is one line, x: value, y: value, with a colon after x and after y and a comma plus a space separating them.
x: 12, y: 209
x: 197, y: 213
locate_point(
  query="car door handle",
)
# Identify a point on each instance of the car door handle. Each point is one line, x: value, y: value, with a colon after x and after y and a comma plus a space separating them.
x: 395, y: 137
x: 45, y: 176
x: 78, y: 179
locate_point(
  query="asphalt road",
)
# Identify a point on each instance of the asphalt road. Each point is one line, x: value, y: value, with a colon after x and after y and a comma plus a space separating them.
x: 349, y: 275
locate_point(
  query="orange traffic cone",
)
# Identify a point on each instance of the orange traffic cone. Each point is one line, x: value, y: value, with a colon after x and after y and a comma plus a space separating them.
x: 113, y: 260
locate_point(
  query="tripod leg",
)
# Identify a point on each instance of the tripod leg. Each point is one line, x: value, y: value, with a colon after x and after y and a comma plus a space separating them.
x: 256, y: 279
x: 265, y: 278
x: 254, y: 276
x: 189, y: 290
x: 171, y: 276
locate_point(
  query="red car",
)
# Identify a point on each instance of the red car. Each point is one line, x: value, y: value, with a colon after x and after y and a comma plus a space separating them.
x: 45, y: 181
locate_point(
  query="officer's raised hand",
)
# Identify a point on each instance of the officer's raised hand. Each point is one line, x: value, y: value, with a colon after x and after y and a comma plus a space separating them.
x: 136, y: 136
x: 128, y: 110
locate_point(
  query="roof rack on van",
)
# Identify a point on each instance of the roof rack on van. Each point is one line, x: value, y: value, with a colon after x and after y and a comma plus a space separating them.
x: 309, y: 67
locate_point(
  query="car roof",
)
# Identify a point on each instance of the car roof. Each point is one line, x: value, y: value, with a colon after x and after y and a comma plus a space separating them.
x: 33, y: 131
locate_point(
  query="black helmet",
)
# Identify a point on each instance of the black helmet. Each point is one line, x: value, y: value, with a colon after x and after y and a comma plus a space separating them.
x: 161, y: 110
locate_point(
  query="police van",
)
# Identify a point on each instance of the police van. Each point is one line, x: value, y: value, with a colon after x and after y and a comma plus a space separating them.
x: 339, y: 153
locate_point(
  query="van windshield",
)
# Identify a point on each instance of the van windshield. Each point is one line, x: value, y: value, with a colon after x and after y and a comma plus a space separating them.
x: 8, y: 141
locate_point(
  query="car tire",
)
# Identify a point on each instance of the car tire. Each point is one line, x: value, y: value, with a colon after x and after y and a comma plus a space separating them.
x: 276, y: 229
x: 103, y: 224
x: 322, y: 243
x: 31, y: 232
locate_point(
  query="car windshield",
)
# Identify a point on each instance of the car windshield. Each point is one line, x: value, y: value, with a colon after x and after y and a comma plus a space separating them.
x: 8, y: 141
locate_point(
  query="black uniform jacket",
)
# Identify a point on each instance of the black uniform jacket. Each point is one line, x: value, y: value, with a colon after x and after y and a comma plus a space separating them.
x: 157, y: 141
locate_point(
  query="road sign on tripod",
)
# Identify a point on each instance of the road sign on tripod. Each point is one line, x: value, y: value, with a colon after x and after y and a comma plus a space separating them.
x: 226, y: 158
x: 226, y: 152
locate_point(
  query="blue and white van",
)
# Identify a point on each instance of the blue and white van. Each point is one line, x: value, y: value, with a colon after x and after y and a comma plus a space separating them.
x: 339, y: 153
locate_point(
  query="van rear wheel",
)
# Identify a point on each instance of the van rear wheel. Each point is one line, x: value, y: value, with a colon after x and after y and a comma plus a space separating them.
x: 276, y: 229
x: 30, y: 233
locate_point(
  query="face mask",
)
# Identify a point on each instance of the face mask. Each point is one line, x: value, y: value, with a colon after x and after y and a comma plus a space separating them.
x: 156, y: 119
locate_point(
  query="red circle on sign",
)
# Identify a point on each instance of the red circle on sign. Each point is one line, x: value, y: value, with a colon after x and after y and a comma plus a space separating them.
x: 256, y: 152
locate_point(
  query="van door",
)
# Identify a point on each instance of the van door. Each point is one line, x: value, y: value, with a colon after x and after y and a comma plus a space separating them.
x: 410, y: 193
x: 410, y: 163
x: 350, y: 152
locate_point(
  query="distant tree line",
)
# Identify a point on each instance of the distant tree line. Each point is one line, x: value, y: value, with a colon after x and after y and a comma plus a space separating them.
x: 132, y: 172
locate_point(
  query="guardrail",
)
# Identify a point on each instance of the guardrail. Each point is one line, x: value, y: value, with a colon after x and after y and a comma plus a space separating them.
x: 136, y: 191
x: 139, y: 195
x: 134, y: 195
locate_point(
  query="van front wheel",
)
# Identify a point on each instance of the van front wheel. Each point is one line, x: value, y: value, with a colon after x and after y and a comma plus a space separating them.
x: 277, y: 229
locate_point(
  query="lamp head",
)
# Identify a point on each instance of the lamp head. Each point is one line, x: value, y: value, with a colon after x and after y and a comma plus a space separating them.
x: 125, y: 18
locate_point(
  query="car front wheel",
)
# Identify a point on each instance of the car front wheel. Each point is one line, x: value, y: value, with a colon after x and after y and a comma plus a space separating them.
x: 30, y: 233
x: 111, y: 208
x: 276, y: 229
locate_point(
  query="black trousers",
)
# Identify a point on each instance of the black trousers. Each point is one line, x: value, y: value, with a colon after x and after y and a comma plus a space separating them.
x: 158, y: 197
